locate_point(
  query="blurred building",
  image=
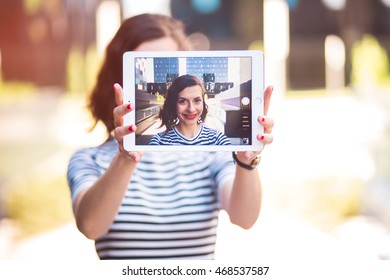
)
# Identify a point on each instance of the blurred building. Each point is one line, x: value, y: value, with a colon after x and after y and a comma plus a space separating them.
x: 165, y: 69
x: 310, y: 23
x: 36, y: 37
x: 227, y: 24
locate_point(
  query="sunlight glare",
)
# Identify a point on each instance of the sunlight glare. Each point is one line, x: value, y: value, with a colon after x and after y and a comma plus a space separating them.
x: 335, y: 4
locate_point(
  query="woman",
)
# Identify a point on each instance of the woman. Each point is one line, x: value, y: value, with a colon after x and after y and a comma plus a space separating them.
x: 155, y: 205
x: 183, y: 114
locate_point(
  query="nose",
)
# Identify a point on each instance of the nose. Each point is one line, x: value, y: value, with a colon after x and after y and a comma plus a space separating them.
x: 190, y: 106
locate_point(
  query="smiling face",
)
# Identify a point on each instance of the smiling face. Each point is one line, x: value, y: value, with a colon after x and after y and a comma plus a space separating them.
x: 184, y: 104
x: 190, y: 105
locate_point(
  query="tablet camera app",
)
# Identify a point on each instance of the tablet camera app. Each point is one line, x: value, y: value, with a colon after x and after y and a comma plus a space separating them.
x: 227, y: 84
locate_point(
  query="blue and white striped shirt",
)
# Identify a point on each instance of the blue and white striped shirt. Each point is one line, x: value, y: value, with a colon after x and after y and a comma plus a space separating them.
x: 170, y: 209
x: 205, y: 136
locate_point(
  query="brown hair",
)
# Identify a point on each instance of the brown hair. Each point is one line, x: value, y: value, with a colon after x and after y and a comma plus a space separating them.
x: 133, y: 32
x: 168, y: 114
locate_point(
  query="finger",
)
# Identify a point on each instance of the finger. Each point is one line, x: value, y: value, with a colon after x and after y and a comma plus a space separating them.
x: 122, y: 131
x: 247, y: 156
x: 118, y: 94
x: 250, y: 155
x: 267, y: 123
x: 267, y: 98
x: 120, y: 111
x: 265, y: 138
x: 136, y: 156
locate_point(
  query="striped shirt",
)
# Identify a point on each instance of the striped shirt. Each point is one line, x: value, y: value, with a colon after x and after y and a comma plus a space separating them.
x: 170, y: 209
x: 205, y: 136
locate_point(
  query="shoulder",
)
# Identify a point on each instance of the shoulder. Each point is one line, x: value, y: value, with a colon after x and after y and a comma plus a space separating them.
x: 82, y: 154
x: 99, y: 155
x: 155, y: 139
x: 163, y: 138
x: 218, y: 137
x: 211, y: 131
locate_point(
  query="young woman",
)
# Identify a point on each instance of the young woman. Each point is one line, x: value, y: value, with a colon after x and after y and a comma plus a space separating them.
x: 156, y: 205
x: 183, y: 114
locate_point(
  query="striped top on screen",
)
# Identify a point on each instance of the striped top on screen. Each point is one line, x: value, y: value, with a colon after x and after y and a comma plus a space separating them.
x: 205, y: 136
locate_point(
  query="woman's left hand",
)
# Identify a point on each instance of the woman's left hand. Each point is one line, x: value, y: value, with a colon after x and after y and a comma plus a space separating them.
x: 268, y: 124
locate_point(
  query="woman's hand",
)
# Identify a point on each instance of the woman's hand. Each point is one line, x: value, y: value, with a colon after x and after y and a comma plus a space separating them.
x: 241, y: 197
x: 120, y: 130
x: 96, y: 206
x: 268, y: 124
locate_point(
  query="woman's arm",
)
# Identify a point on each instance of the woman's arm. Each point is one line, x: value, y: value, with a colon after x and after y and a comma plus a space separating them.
x: 96, y: 206
x: 241, y: 197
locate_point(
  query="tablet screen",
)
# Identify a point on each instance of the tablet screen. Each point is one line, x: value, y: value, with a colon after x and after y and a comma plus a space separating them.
x: 194, y: 100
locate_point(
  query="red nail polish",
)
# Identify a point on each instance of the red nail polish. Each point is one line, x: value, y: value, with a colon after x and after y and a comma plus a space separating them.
x: 131, y: 128
x: 262, y: 137
x: 262, y: 119
x: 128, y: 107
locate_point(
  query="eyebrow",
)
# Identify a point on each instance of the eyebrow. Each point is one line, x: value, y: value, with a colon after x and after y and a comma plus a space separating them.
x: 199, y: 96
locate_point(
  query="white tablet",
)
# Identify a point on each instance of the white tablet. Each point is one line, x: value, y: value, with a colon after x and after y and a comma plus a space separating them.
x: 194, y: 100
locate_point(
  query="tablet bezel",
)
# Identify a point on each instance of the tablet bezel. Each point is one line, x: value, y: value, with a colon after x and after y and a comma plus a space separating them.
x: 257, y: 98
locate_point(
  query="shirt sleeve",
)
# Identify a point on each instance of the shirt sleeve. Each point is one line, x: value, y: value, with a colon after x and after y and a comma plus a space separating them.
x: 223, y: 139
x: 155, y: 140
x: 223, y: 169
x: 82, y: 171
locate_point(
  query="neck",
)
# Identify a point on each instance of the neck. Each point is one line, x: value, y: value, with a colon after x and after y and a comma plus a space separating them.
x: 188, y: 131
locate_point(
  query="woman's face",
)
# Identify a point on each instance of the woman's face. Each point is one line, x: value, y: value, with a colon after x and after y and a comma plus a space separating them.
x: 190, y: 105
x: 161, y: 44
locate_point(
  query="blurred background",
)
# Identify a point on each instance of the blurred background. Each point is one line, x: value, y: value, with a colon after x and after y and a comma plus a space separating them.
x: 326, y: 176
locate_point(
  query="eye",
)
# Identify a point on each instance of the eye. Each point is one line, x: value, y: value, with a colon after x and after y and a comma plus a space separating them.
x: 198, y: 100
x: 182, y: 101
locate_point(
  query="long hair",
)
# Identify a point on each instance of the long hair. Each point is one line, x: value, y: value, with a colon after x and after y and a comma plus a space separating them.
x: 168, y: 114
x: 133, y: 32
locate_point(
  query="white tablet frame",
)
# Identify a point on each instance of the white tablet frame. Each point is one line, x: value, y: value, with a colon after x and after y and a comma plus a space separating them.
x: 256, y: 64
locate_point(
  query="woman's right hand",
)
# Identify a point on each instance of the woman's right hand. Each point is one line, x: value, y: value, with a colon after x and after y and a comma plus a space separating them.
x: 120, y: 130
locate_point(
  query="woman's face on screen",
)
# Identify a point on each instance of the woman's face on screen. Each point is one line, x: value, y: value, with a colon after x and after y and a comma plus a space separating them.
x: 190, y: 105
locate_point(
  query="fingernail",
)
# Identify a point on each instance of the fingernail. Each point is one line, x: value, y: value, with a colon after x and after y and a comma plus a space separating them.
x: 262, y: 137
x: 129, y: 106
x: 131, y: 128
x: 262, y: 119
x: 134, y: 158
